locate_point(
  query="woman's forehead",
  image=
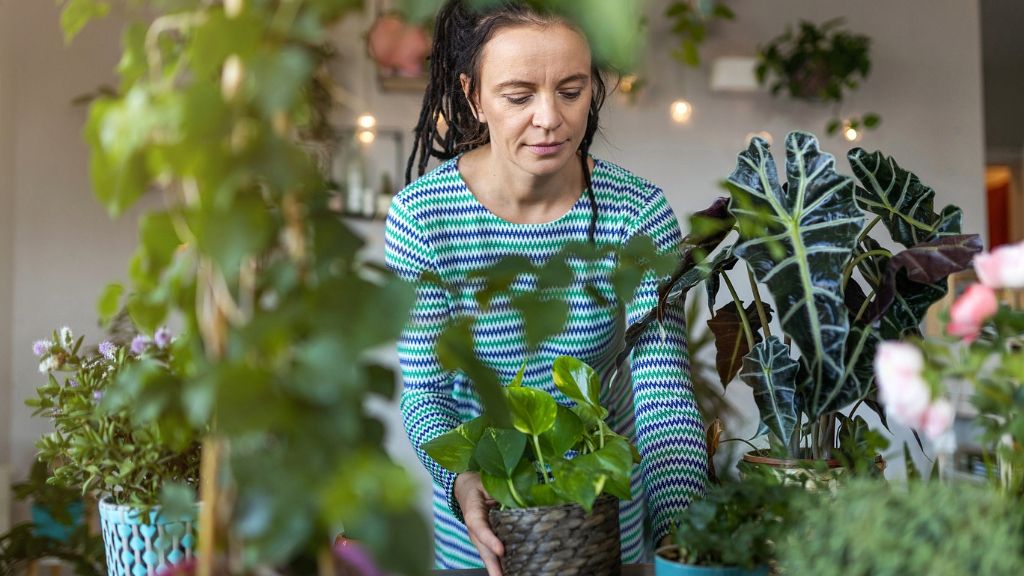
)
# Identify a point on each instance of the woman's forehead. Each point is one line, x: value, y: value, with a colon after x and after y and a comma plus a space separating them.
x: 534, y: 53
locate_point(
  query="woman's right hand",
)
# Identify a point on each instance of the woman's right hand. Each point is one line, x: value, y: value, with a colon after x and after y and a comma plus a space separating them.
x: 475, y: 502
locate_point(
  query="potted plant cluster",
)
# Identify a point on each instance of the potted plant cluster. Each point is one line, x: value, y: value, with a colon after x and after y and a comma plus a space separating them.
x: 101, y: 445
x: 874, y: 529
x: 558, y: 473
x: 818, y: 63
x: 732, y: 531
x: 837, y: 292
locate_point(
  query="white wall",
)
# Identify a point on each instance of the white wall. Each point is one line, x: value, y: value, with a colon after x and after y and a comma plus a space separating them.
x: 926, y: 83
x: 6, y: 257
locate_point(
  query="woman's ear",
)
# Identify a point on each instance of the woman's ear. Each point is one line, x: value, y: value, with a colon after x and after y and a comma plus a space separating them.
x: 474, y: 105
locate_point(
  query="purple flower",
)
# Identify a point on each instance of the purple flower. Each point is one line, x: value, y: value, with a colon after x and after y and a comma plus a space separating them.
x: 97, y: 396
x: 72, y: 383
x: 107, y: 349
x: 40, y: 347
x: 356, y: 558
x: 139, y: 344
x: 162, y: 337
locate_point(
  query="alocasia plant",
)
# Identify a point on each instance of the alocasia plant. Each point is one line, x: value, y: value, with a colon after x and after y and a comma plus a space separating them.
x: 836, y: 291
x: 550, y: 454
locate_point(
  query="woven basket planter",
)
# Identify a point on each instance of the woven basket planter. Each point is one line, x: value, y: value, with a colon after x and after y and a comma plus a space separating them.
x: 560, y: 540
x: 136, y: 548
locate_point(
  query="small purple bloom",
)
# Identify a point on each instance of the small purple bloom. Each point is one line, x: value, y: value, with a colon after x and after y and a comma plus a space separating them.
x: 107, y: 349
x: 97, y: 395
x: 72, y: 383
x: 162, y: 337
x: 40, y: 347
x: 139, y: 344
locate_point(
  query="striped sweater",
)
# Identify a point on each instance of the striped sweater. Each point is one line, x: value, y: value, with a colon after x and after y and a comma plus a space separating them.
x: 437, y: 225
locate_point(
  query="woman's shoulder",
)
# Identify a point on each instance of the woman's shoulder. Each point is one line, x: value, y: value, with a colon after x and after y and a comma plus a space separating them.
x: 432, y: 186
x: 613, y: 179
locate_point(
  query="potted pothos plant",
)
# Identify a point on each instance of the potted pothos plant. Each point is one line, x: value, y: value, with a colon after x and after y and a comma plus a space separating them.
x: 558, y: 472
x: 732, y: 531
x: 837, y: 292
x: 103, y: 446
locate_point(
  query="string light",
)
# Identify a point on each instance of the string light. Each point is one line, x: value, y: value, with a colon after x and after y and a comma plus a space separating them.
x: 366, y: 136
x: 366, y: 121
x: 681, y: 111
x: 851, y: 134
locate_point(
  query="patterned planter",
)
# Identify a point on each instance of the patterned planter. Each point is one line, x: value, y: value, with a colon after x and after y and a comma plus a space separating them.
x: 664, y: 567
x: 137, y: 548
x: 811, y: 474
x: 560, y: 540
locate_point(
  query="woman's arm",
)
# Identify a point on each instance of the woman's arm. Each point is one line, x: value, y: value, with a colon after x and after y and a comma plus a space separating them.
x: 670, y: 431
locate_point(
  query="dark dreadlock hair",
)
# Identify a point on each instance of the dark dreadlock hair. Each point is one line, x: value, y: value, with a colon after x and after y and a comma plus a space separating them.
x: 460, y: 34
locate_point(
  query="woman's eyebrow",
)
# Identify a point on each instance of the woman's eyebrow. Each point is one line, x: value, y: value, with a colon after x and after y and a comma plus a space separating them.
x: 581, y: 77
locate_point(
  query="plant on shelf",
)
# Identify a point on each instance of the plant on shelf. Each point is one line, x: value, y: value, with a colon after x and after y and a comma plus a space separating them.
x: 103, y: 445
x: 733, y: 530
x: 690, y: 21
x: 837, y: 291
x: 550, y: 455
x: 922, y: 528
x: 980, y: 358
x: 819, y: 64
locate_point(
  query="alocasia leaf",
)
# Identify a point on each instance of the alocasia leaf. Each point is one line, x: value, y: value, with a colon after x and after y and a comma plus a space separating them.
x: 797, y: 239
x: 934, y: 260
x: 905, y: 204
x: 772, y: 374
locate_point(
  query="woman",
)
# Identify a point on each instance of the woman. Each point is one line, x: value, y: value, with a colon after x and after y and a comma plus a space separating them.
x: 512, y: 108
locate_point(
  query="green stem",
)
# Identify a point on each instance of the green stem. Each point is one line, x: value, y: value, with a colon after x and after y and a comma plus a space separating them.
x: 864, y: 233
x: 515, y: 495
x: 853, y: 264
x: 739, y: 310
x: 760, y: 305
x: 540, y: 457
x: 600, y: 435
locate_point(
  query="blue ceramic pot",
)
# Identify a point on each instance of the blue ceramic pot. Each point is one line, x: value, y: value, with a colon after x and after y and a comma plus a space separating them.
x: 47, y: 526
x: 138, y: 548
x: 663, y: 567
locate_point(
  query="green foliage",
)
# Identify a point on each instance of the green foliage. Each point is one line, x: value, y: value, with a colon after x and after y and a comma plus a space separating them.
x: 526, y: 464
x: 690, y: 20
x: 818, y: 64
x: 104, y: 437
x: 735, y: 524
x: 923, y: 528
x: 82, y: 551
x: 56, y: 500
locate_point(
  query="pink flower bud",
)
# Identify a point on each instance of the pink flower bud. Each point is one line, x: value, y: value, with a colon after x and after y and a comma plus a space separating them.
x: 937, y: 419
x: 976, y: 305
x: 1002, y: 268
x: 905, y: 394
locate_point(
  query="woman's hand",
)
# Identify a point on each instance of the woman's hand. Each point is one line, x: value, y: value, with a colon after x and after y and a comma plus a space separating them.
x: 475, y: 502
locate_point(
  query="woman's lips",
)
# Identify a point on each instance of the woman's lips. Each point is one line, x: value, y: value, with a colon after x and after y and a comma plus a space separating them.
x: 546, y: 148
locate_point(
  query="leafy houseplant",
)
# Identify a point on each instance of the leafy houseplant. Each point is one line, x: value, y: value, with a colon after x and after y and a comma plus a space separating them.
x: 56, y: 510
x: 818, y: 64
x: 922, y: 528
x: 102, y: 445
x: 528, y: 464
x: 732, y: 530
x: 690, y: 21
x: 837, y: 292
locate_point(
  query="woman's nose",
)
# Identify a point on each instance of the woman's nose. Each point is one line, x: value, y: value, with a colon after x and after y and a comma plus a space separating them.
x: 547, y: 115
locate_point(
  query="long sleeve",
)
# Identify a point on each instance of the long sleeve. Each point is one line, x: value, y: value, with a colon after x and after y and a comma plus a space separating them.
x: 427, y: 403
x: 670, y: 431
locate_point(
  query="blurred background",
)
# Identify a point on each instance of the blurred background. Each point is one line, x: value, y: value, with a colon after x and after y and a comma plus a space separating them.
x: 946, y: 78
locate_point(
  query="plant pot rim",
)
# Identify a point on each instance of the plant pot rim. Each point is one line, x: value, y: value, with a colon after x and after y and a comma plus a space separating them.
x: 659, y: 559
x: 761, y: 457
x: 537, y: 509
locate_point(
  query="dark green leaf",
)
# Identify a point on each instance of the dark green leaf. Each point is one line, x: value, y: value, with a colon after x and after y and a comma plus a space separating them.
x: 899, y: 197
x: 533, y: 411
x: 452, y: 450
x: 499, y: 450
x: 772, y: 374
x: 564, y: 435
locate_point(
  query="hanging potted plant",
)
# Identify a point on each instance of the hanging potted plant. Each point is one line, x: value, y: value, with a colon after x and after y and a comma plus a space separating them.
x: 732, y: 531
x: 837, y: 291
x: 102, y: 445
x: 819, y: 64
x: 545, y: 495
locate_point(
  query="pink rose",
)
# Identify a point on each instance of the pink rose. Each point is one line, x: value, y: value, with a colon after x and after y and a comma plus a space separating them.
x: 937, y: 419
x: 1002, y: 268
x: 905, y: 394
x: 977, y: 304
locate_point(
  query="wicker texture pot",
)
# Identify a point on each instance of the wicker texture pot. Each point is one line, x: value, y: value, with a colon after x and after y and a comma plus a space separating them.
x: 560, y: 540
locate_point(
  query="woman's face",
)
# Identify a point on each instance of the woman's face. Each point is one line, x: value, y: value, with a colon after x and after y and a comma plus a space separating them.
x: 534, y: 95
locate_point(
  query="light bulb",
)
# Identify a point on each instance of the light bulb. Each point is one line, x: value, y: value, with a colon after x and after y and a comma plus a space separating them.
x: 764, y: 135
x: 681, y: 111
x: 851, y: 134
x: 366, y: 121
x: 366, y: 136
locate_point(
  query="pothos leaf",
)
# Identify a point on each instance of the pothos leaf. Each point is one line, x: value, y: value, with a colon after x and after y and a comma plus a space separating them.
x: 499, y: 450
x: 533, y: 411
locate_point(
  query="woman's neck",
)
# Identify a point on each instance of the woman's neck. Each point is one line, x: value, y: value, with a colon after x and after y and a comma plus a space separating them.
x: 515, y: 195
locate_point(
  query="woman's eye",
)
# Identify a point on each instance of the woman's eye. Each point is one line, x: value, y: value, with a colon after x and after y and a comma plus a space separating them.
x: 518, y: 100
x: 572, y: 94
